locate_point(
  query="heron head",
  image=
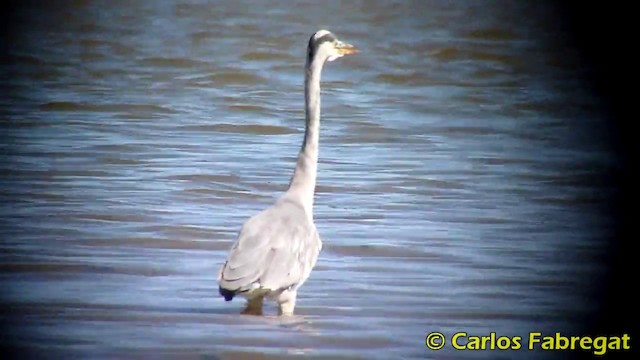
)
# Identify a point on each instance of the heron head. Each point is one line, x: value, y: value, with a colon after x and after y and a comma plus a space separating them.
x: 325, y: 46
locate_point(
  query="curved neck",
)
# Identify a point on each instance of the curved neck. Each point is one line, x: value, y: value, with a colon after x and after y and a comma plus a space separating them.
x: 303, y: 182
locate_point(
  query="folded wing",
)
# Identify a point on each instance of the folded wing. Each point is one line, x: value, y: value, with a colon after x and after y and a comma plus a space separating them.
x: 276, y: 249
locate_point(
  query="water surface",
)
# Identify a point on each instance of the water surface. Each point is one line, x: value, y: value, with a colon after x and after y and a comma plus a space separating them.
x: 459, y: 180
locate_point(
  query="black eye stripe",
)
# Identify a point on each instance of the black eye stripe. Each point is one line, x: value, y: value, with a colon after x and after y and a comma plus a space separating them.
x: 314, y: 44
x: 324, y: 38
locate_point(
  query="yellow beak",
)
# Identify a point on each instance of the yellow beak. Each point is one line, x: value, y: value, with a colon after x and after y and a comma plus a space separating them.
x: 345, y: 49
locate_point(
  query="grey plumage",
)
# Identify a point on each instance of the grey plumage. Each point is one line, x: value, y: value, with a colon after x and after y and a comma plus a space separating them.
x: 276, y: 250
x: 278, y: 247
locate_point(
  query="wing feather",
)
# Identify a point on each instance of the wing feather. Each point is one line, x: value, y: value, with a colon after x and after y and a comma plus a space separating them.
x: 275, y: 249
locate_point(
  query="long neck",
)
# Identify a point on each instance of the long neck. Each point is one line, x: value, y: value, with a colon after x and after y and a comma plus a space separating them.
x: 303, y: 182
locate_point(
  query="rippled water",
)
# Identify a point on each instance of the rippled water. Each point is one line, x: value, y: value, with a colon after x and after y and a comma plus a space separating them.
x: 458, y: 190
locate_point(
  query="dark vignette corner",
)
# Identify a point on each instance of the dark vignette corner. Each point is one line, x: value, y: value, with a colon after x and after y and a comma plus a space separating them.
x: 604, y: 35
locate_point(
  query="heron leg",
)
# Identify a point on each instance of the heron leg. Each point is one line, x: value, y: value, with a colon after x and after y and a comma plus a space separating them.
x: 287, y: 302
x: 254, y: 306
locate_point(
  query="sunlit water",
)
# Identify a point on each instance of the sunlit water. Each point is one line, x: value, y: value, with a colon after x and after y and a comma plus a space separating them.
x: 458, y: 185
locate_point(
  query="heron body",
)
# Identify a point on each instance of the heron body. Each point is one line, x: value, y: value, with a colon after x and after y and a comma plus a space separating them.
x: 278, y: 247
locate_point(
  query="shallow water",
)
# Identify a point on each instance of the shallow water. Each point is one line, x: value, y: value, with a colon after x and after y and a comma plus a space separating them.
x: 458, y: 184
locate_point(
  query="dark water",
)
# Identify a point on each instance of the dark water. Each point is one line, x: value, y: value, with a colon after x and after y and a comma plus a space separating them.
x: 458, y: 189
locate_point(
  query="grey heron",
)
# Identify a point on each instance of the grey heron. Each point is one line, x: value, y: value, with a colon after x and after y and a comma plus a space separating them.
x: 277, y: 248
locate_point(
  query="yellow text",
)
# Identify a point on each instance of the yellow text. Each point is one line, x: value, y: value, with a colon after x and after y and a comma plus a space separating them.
x: 599, y: 344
